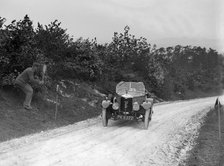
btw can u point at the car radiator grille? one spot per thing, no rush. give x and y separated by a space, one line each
126 104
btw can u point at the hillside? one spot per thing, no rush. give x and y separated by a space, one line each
81 103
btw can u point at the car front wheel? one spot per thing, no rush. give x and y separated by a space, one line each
104 117
150 115
146 119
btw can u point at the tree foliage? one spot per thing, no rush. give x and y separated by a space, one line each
165 71
17 47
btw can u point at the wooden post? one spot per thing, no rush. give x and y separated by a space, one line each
56 107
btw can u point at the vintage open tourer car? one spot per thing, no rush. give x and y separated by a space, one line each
131 102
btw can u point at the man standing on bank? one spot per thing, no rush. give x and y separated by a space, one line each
25 81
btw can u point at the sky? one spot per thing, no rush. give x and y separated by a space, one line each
162 22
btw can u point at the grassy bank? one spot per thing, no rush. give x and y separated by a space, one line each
209 150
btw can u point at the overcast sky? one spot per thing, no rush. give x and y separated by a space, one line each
162 22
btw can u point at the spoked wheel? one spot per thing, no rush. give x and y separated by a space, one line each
146 119
104 117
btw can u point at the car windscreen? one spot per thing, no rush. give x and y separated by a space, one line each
130 88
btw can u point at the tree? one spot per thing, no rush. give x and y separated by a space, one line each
18 47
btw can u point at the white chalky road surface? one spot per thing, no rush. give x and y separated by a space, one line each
170 135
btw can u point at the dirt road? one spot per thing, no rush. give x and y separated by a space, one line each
170 135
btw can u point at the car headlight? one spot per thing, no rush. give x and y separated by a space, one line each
136 106
146 105
115 106
105 103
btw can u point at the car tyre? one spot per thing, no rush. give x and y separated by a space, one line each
104 117
150 115
146 119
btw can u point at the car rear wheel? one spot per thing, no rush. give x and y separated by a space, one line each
104 117
146 119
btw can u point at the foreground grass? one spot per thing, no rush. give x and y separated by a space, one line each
17 122
209 150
